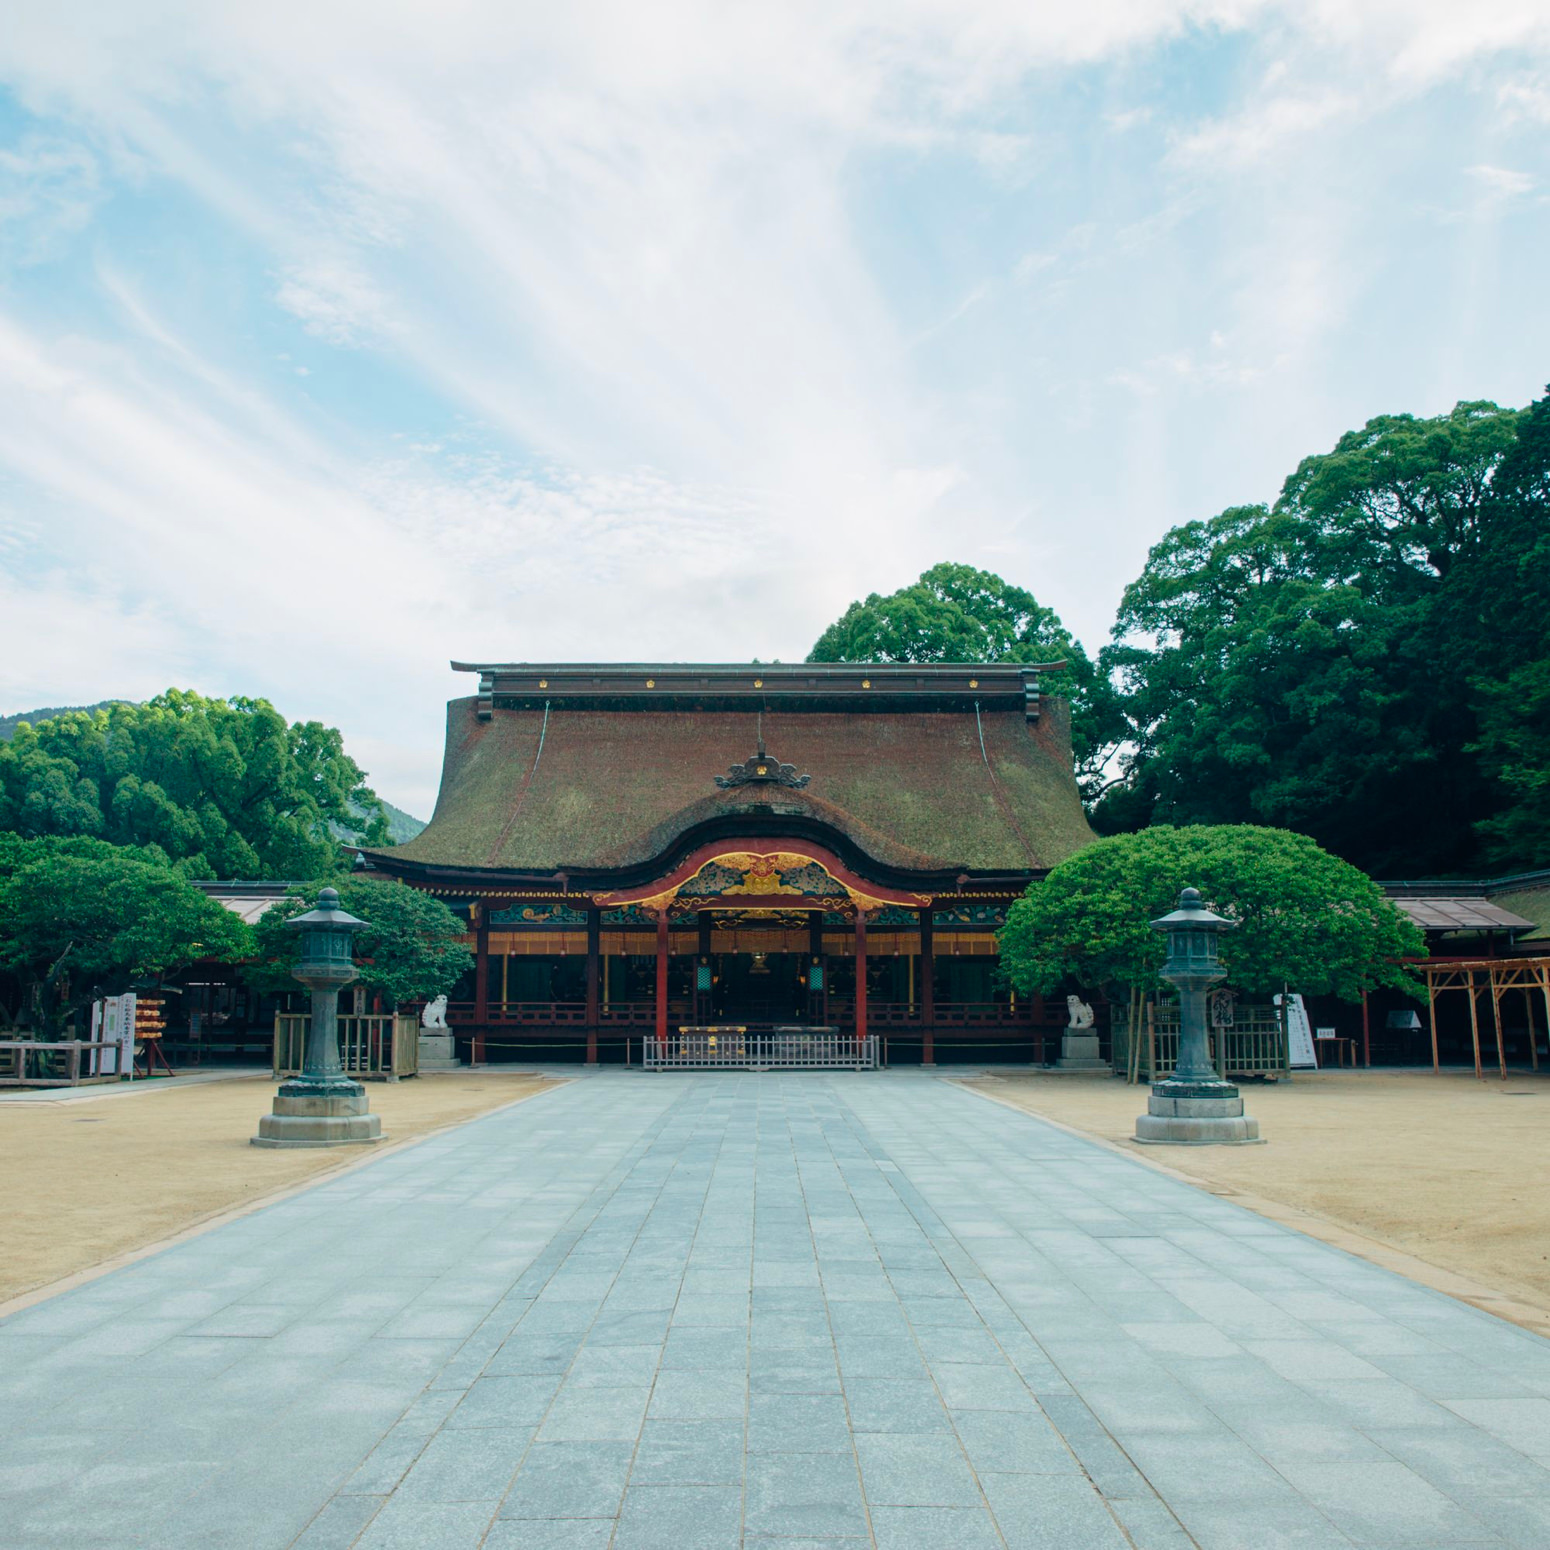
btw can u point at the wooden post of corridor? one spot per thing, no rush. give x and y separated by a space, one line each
662 979
481 981
594 956
927 990
860 976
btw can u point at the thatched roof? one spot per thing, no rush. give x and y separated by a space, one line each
600 783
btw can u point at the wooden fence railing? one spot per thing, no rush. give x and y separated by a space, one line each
842 1009
48 1063
1255 1045
372 1047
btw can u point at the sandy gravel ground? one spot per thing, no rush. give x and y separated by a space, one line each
1443 1167
94 1178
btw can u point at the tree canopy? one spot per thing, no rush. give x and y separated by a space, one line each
225 788
955 613
1500 604
1302 665
1305 918
92 916
411 949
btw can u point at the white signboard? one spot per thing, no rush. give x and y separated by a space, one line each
96 1064
1299 1035
113 1022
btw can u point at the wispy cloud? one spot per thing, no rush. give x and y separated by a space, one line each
1247 136
49 188
1501 183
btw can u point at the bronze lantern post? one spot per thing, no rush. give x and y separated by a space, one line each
322 1105
1194 1106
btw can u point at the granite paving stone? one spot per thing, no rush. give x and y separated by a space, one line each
689 1453
569 1480
900 1470
679 1517
798 1423
741 1310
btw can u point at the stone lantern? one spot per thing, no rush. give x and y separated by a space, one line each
1194 1106
322 1106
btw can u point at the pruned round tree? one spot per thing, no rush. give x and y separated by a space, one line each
411 949
1305 919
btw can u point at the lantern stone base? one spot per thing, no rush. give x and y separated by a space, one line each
1079 1052
333 1117
1196 1114
438 1052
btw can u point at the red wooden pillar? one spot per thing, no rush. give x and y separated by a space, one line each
481 980
594 963
860 975
662 978
1366 1034
928 987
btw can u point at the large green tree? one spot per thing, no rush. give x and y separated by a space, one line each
1300 665
1500 615
411 949
78 916
1305 919
226 788
955 613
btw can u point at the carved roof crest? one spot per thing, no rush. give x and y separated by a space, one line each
761 770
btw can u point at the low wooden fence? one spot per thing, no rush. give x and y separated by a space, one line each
379 1047
49 1063
1255 1045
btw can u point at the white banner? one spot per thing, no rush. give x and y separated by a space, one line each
126 1033
113 1022
1299 1035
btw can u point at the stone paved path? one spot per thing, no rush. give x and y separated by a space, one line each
778 1311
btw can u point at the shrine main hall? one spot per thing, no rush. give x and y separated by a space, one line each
637 848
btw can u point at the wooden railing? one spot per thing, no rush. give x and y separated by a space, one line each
946 1014
842 1010
558 1014
23 1062
374 1047
535 1014
629 1014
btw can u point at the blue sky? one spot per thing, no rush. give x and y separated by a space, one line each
402 332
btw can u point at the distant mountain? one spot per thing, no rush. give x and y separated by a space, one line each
401 825
9 724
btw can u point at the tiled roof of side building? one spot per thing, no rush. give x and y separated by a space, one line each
615 786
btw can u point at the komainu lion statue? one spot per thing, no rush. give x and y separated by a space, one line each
435 1015
1080 1012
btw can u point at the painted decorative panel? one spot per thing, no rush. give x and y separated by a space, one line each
761 875
551 917
971 915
